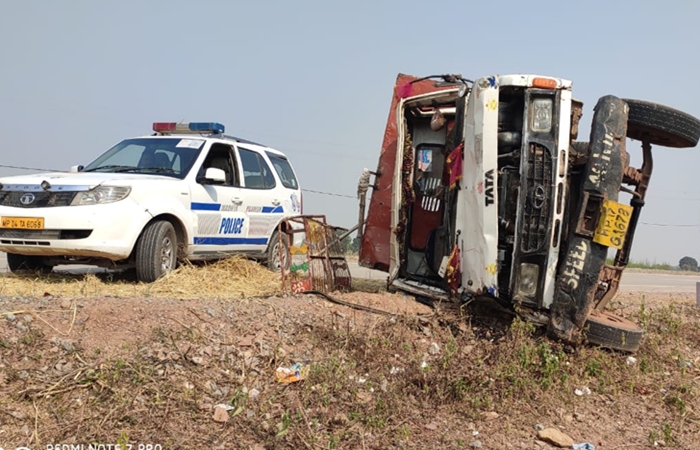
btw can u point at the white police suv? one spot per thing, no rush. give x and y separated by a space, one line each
185 192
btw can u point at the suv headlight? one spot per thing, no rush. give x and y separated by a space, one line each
101 195
542 115
528 279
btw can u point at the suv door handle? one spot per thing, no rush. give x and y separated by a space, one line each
275 202
236 200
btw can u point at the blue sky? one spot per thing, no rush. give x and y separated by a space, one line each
315 78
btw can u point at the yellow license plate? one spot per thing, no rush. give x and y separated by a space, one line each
22 223
613 224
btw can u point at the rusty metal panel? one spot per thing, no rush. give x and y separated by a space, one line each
374 245
316 258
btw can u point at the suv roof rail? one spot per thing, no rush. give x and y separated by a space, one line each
243 141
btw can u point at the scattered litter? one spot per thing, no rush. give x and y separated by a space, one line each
631 360
583 446
583 391
539 427
434 348
423 365
224 406
362 380
395 370
475 433
297 372
253 393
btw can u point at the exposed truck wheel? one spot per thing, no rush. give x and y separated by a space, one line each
18 263
276 258
661 125
156 251
610 331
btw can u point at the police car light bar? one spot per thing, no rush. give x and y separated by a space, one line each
188 127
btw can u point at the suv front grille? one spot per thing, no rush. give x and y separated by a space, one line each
41 199
535 219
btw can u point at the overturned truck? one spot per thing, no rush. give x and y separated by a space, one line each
483 190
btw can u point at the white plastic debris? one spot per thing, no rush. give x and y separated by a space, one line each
434 348
631 360
582 391
224 406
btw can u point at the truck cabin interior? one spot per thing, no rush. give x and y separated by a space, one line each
432 132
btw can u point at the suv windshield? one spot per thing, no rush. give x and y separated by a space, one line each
164 156
284 170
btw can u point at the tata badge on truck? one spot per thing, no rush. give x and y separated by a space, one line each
483 190
188 191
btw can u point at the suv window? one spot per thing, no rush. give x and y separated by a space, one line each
164 156
256 172
284 170
221 157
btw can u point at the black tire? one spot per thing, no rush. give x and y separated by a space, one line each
661 125
274 259
18 263
610 331
156 251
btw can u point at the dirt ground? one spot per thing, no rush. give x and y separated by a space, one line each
147 371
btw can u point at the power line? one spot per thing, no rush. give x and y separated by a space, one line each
51 170
689 225
330 193
29 168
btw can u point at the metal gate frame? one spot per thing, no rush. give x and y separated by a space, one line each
316 261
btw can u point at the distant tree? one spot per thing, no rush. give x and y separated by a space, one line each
688 263
355 247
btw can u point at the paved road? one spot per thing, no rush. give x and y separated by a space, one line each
631 281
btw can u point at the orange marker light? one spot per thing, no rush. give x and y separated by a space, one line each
544 83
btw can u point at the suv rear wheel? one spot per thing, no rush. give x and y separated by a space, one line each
156 251
277 258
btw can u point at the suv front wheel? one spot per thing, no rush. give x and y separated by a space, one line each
156 251
17 263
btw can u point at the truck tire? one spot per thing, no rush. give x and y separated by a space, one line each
610 331
661 125
275 258
583 259
18 263
156 251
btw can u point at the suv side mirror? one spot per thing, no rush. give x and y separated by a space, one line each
214 175
78 168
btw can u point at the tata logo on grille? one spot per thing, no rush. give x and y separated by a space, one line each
27 199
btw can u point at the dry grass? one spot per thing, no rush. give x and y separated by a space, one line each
236 277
